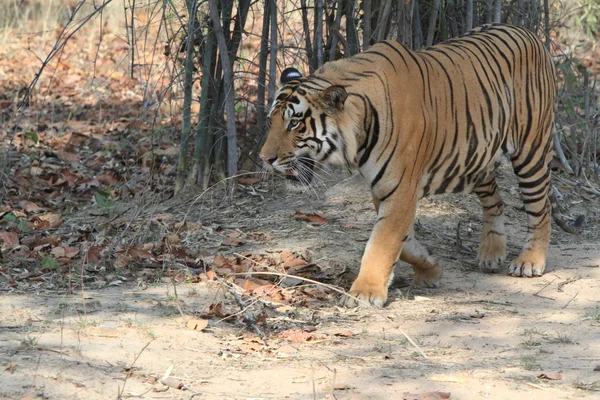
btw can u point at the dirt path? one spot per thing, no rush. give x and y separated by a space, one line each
484 336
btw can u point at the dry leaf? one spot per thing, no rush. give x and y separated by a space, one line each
310 217
553 376
31 207
248 181
58 252
107 179
172 239
10 240
197 324
232 241
343 333
121 260
259 236
295 335
140 254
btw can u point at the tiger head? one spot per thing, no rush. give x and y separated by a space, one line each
304 126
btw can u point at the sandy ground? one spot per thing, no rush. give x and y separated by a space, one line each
481 336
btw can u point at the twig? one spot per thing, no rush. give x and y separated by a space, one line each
563 283
335 289
250 319
500 303
111 249
122 389
568 302
544 287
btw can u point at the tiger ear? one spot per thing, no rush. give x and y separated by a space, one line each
289 74
334 97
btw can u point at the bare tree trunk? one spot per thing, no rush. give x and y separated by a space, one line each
547 24
335 30
318 33
418 30
307 41
201 151
469 16
186 124
382 20
273 53
432 22
453 17
498 10
262 69
366 24
351 33
227 89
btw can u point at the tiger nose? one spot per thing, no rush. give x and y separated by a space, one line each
269 159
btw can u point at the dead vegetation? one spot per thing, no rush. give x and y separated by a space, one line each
110 287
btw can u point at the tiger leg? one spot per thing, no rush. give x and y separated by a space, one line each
387 239
427 271
492 248
533 175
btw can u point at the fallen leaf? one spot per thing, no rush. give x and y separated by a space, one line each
296 335
197 324
251 345
121 260
426 396
58 252
343 333
107 179
553 376
172 382
232 241
10 239
259 236
248 181
310 217
31 207
140 254
172 239
295 262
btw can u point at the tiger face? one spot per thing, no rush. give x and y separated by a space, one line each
304 126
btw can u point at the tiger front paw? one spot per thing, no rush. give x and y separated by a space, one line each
528 264
364 294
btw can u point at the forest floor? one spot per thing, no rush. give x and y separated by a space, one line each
111 288
478 335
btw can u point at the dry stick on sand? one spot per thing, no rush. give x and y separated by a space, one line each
331 287
250 319
122 389
537 294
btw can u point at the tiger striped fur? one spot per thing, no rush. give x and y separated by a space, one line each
422 123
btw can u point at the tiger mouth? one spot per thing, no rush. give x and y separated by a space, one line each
301 171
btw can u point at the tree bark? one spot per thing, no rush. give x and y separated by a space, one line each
432 22
186 124
469 16
366 24
307 40
318 33
273 53
351 33
227 89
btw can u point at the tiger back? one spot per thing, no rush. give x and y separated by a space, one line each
422 123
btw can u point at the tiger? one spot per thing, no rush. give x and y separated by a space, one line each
422 123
